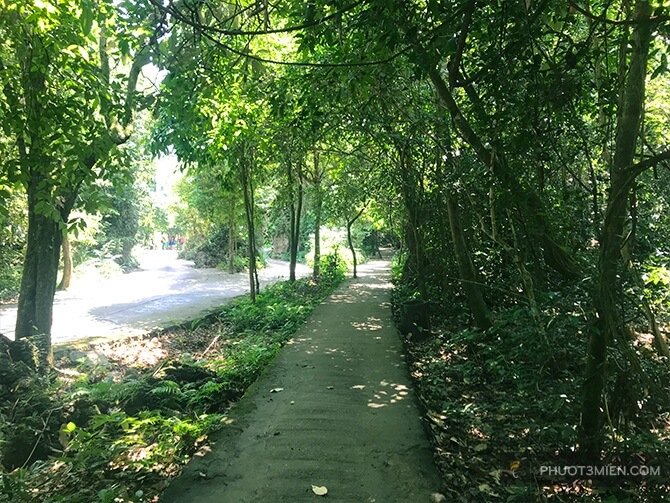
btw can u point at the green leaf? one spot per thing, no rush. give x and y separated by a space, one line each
86 18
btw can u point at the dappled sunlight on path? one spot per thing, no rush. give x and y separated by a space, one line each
335 409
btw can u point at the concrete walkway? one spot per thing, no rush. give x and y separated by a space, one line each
335 409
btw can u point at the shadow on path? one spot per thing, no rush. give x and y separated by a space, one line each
346 417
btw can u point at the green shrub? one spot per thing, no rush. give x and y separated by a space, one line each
333 268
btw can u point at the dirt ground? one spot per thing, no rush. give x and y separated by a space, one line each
335 410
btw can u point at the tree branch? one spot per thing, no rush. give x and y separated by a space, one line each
650 162
617 22
351 222
204 31
171 9
455 62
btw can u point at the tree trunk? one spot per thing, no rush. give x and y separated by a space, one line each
660 341
252 196
38 281
232 237
350 239
251 231
295 215
127 253
608 287
67 263
296 237
318 206
468 273
40 267
317 233
292 258
351 247
659 338
627 255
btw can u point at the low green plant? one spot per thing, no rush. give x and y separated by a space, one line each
333 267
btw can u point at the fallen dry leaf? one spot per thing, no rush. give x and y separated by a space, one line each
319 490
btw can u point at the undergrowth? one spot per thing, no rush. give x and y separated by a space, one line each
119 429
503 403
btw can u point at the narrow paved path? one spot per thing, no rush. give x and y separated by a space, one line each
164 291
342 415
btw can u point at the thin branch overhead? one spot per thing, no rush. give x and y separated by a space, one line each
179 14
212 34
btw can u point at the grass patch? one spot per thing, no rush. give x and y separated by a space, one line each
121 423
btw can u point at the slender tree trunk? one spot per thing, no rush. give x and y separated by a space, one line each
526 277
659 338
317 232
492 213
627 255
468 273
292 211
296 199
251 231
252 195
232 237
67 263
352 249
295 244
351 241
610 326
318 207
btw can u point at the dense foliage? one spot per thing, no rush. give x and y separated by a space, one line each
516 153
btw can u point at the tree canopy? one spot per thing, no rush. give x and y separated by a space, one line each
514 154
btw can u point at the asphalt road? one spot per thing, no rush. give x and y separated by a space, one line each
164 291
